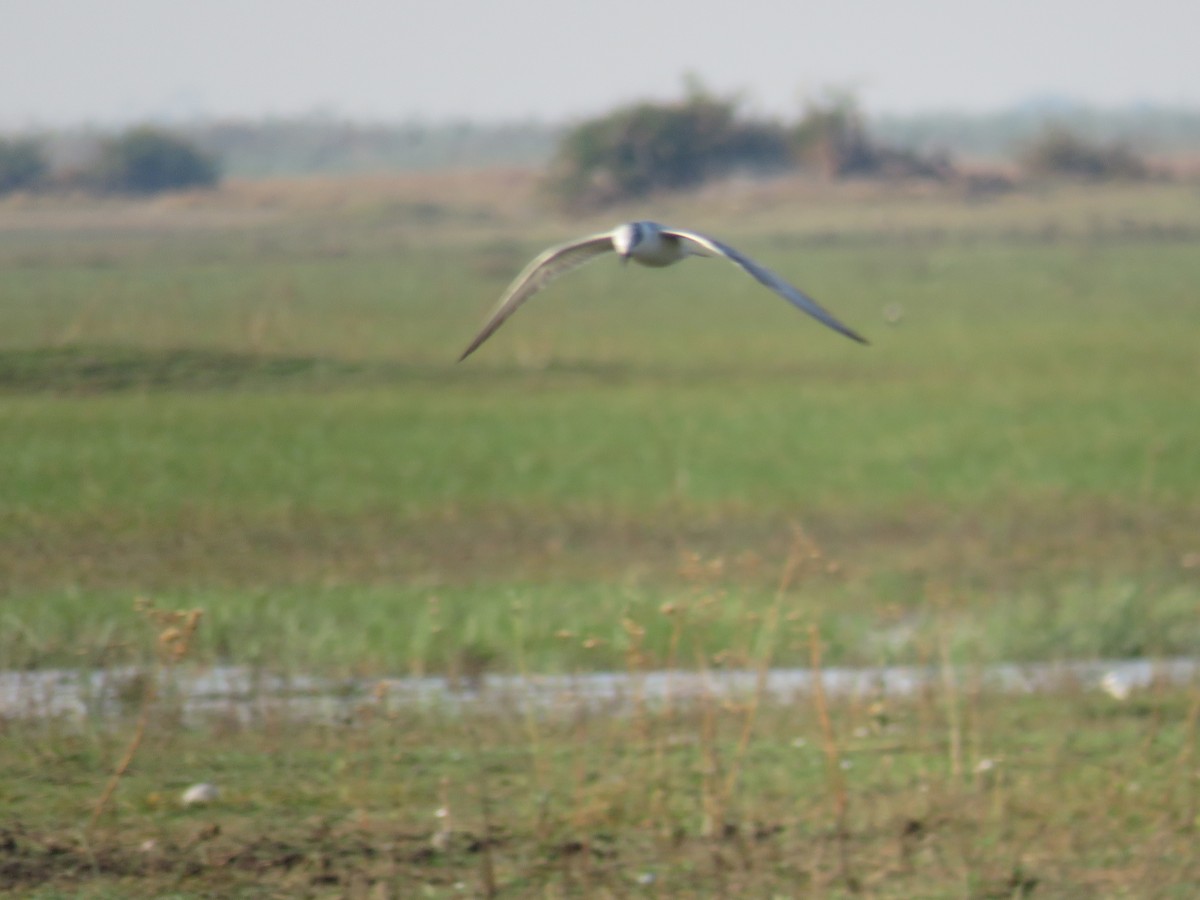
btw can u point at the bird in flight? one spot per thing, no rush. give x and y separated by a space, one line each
650 244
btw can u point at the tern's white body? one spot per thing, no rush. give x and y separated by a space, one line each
650 244
643 242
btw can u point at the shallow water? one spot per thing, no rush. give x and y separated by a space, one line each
247 695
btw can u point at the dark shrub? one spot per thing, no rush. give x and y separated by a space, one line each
1058 151
22 165
147 160
651 146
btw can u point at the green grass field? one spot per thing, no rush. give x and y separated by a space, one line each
248 403
263 417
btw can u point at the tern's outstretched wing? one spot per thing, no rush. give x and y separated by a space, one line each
705 246
547 266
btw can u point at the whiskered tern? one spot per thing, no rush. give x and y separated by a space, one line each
650 244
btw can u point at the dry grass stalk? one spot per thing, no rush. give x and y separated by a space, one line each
176 628
833 757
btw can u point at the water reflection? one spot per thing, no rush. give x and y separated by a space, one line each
247 695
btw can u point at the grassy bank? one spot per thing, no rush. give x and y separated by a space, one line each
955 792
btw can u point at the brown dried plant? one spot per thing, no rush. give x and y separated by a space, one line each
175 630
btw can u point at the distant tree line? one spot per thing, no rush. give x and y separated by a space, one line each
665 146
1003 134
142 160
627 152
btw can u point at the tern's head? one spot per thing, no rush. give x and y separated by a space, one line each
626 237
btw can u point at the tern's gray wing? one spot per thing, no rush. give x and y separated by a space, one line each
545 267
706 246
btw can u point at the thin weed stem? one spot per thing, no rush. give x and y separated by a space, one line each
801 547
175 632
1187 756
953 714
833 759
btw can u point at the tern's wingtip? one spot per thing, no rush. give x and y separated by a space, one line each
472 347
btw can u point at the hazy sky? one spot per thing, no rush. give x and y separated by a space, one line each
115 61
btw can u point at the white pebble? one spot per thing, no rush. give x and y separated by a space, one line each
1115 686
200 794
